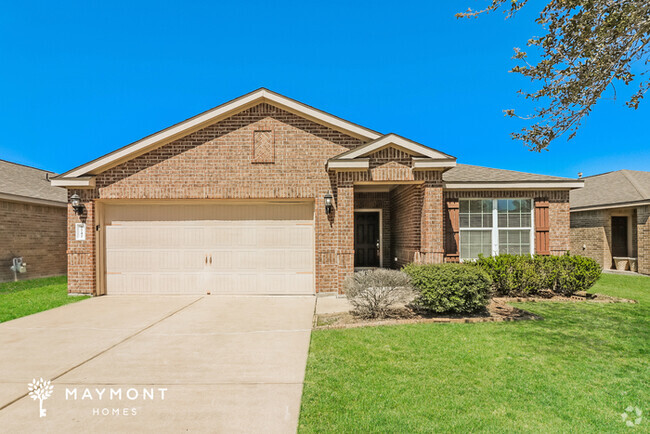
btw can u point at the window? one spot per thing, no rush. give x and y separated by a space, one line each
493 226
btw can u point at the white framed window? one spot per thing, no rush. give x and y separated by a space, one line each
494 226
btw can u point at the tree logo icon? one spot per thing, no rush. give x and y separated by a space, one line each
40 390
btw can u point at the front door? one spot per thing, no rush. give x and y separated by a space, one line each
619 236
366 239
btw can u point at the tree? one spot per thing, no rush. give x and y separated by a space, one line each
588 47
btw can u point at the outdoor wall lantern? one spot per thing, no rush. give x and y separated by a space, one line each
328 203
75 201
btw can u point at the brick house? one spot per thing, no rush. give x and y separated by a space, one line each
264 194
32 222
610 218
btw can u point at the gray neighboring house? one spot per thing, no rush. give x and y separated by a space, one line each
33 219
610 220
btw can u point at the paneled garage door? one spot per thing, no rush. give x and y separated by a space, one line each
244 248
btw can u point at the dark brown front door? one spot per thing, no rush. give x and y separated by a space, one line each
366 239
619 236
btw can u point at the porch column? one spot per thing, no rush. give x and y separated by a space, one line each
345 227
431 224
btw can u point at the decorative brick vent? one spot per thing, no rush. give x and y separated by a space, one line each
263 146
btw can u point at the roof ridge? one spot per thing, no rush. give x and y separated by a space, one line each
638 187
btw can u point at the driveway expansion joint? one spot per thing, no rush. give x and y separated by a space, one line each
107 349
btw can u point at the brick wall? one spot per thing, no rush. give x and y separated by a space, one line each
81 254
406 212
590 236
559 233
216 163
431 224
37 233
643 233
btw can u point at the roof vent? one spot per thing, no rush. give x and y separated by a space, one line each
579 175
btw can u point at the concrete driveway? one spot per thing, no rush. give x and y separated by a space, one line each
203 364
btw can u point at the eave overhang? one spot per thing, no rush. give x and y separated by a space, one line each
515 185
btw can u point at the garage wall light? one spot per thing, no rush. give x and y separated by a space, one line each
77 206
328 203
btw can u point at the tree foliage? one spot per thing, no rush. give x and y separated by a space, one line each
588 47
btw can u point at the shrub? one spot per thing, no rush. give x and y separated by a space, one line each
450 288
513 274
574 273
373 293
527 275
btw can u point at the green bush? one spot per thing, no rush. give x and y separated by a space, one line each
515 275
574 273
450 288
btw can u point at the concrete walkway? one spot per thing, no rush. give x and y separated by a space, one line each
202 364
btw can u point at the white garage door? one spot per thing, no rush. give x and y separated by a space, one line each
251 248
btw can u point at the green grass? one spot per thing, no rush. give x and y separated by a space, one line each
575 371
30 296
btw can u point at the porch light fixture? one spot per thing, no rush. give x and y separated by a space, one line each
77 206
328 203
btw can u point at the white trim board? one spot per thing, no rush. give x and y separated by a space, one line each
517 185
398 142
618 205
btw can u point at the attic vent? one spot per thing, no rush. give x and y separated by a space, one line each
263 146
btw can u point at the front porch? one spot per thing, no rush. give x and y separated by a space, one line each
387 225
388 205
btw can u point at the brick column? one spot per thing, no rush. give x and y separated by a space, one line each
643 238
345 228
431 223
560 223
81 254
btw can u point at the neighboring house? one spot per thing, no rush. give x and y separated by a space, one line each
33 217
610 218
237 200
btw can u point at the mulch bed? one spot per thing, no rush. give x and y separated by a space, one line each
497 311
578 296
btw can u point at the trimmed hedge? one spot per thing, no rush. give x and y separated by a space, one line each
450 288
528 275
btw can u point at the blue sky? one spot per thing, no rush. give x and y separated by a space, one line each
80 79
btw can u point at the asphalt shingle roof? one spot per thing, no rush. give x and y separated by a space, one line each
612 188
19 180
468 173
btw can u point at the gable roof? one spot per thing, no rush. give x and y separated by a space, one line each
212 116
612 189
28 184
393 139
423 156
465 176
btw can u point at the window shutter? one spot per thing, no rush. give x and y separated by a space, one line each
542 224
452 223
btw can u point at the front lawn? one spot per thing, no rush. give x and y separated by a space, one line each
30 296
575 371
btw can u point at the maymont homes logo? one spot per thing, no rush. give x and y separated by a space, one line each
42 389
